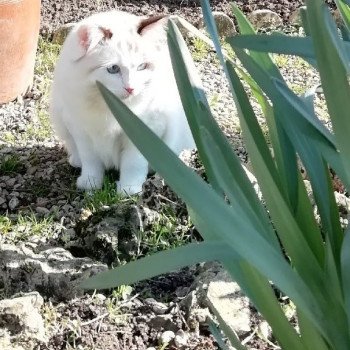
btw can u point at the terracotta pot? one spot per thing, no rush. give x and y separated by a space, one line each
19 31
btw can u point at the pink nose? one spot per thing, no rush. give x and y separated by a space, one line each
129 90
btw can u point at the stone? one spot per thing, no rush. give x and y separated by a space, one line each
166 337
156 306
61 33
265 19
295 18
13 203
42 211
223 22
189 302
20 316
337 17
115 234
52 271
342 201
181 339
2 200
160 322
224 297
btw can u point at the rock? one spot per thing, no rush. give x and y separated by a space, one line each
265 19
6 343
337 17
108 237
166 337
264 330
295 18
21 317
156 306
224 296
61 33
14 201
54 272
342 201
181 339
42 211
223 22
163 322
189 302
2 200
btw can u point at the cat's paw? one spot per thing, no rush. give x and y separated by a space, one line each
89 183
129 190
74 161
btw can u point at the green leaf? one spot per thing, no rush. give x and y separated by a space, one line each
158 263
191 93
212 30
275 202
237 234
280 44
310 337
344 10
304 20
198 114
258 289
218 337
329 53
263 59
345 268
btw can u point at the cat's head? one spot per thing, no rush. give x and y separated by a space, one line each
121 52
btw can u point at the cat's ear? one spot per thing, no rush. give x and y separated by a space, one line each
88 37
154 26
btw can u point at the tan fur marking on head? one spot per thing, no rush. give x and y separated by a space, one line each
148 21
107 34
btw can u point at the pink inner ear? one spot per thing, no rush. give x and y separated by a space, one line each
84 38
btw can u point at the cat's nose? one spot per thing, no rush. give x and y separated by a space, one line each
129 90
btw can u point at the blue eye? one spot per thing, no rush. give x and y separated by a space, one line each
142 66
113 69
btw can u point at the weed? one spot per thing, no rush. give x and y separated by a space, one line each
8 138
199 49
214 99
46 57
105 196
165 233
25 226
5 224
10 164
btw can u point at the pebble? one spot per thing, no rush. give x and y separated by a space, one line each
181 339
156 306
166 337
14 201
42 210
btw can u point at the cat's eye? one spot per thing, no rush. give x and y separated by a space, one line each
113 69
142 66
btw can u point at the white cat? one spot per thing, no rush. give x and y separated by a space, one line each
129 55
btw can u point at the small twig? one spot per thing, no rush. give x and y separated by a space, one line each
167 199
95 319
128 300
182 317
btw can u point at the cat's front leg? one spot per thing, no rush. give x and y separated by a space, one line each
92 169
133 170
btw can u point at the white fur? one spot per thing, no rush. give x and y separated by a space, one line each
92 137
